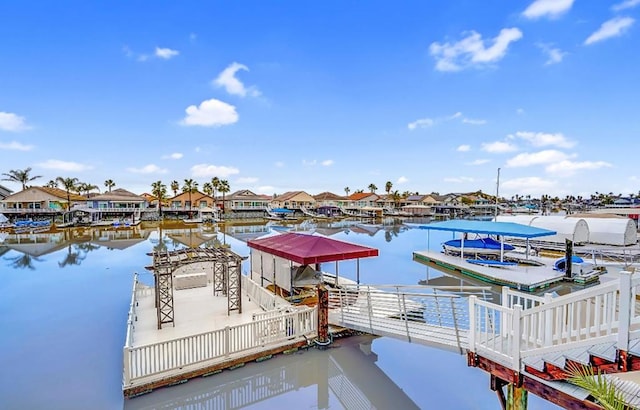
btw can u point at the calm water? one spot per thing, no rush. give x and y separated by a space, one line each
64 305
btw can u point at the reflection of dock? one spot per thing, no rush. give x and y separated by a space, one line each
348 373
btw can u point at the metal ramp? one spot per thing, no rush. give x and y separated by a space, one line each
430 316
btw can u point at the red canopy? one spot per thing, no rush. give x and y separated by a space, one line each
309 249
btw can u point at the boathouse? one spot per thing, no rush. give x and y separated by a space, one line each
618 231
574 229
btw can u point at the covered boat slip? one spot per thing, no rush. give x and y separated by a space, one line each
531 276
289 260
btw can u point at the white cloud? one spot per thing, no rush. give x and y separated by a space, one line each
210 113
464 148
529 185
471 50
535 158
498 147
175 155
193 37
519 111
209 171
547 8
454 116
402 180
279 164
265 190
479 162
474 122
542 139
422 123
568 168
327 162
615 27
165 53
64 165
12 122
627 4
15 145
148 169
554 54
246 180
309 163
458 180
227 79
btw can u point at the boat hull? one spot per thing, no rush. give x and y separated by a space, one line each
483 246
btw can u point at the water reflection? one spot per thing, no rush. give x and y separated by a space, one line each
346 374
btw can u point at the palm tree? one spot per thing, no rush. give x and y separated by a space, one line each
207 188
109 184
346 191
396 197
87 188
388 186
215 184
224 188
372 187
52 184
69 184
190 186
603 390
159 190
175 186
20 176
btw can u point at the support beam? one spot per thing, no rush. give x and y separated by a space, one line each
517 397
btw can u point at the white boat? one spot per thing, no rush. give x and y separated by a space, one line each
480 246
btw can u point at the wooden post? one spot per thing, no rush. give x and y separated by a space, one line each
323 315
517 397
567 258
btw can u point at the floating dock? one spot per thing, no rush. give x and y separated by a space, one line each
527 278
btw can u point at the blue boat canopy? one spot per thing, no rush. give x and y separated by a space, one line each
487 228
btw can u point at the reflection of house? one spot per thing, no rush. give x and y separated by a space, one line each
245 200
119 238
36 244
191 238
117 199
294 200
4 192
39 199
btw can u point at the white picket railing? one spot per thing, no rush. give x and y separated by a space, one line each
128 342
157 359
508 333
265 299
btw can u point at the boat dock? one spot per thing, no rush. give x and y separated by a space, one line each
523 277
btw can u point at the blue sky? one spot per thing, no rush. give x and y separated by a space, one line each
317 96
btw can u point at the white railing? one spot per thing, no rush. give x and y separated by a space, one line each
131 319
156 360
511 297
605 313
265 299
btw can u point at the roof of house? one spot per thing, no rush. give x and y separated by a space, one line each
361 195
328 196
288 195
195 196
118 194
308 249
415 198
60 193
247 195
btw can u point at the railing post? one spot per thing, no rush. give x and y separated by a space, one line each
625 313
472 323
127 366
548 321
227 341
505 297
516 325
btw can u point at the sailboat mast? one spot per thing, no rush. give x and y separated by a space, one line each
497 192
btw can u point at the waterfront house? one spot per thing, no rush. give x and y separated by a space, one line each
37 199
4 192
117 199
245 201
193 200
330 199
360 200
294 200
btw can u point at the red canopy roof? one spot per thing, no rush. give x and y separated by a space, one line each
309 249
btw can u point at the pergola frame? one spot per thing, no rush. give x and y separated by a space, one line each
227 267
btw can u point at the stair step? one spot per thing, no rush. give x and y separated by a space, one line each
557 359
607 351
580 355
536 362
563 386
634 347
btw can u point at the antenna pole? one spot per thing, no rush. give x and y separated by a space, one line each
497 192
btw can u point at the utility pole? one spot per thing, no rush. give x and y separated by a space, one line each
497 192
